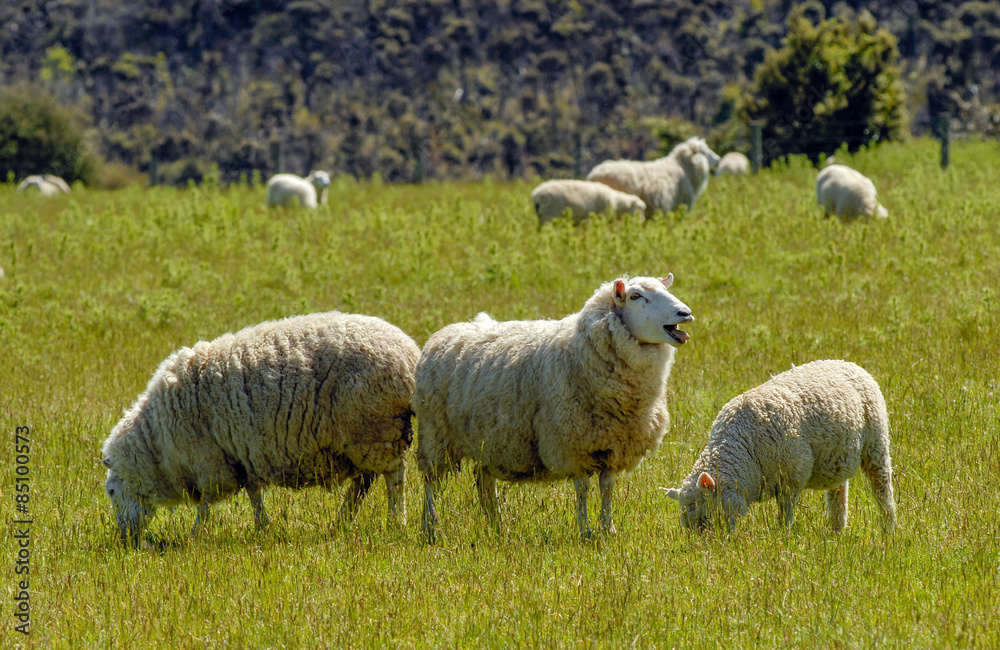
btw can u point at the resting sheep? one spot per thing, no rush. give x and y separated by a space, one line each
285 189
664 184
734 164
810 427
847 193
546 400
44 184
551 198
308 400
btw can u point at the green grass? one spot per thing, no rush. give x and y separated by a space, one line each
100 287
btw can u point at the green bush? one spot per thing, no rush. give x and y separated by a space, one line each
38 136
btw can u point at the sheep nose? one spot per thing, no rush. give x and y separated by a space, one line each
686 315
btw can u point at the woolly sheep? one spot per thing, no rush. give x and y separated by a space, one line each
308 400
545 400
847 193
284 189
44 184
664 184
810 427
733 163
551 198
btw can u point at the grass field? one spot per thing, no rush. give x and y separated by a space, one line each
99 287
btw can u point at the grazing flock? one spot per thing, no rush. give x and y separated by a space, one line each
328 398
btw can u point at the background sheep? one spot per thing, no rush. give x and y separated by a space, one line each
308 400
547 400
733 163
44 184
847 193
664 184
810 427
284 189
551 198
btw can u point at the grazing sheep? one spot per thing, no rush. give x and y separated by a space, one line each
733 163
284 189
547 400
810 427
847 193
45 184
551 198
664 184
308 400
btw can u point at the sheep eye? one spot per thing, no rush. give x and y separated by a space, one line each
111 492
635 296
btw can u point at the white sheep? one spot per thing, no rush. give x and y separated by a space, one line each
547 400
847 193
551 198
285 189
664 184
44 184
734 164
308 400
810 427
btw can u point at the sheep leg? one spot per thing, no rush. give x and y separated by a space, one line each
201 519
356 491
786 506
396 498
836 506
486 487
430 517
256 494
582 486
607 484
880 478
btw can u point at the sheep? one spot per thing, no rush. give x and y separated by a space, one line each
284 189
733 163
546 400
847 193
44 184
664 184
810 427
307 400
551 198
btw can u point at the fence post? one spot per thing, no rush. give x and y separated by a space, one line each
276 156
152 167
944 129
756 147
577 155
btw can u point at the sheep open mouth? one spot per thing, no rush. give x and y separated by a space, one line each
678 335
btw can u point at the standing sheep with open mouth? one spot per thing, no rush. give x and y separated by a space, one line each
547 400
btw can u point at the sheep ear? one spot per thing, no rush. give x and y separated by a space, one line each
706 482
673 493
619 290
667 281
106 462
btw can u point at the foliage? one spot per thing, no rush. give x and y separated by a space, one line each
38 136
99 287
833 82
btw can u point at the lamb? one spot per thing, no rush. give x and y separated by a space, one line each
733 163
284 189
44 184
307 400
545 400
809 427
847 193
664 184
551 198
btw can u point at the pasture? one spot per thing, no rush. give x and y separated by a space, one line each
99 287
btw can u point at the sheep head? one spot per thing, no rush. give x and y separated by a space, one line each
650 312
131 511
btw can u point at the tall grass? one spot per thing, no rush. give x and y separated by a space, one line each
99 287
